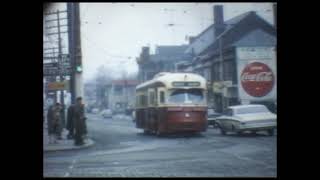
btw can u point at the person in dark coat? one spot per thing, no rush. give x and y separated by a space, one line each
50 123
70 122
54 118
61 123
79 122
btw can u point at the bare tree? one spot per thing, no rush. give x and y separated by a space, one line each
102 79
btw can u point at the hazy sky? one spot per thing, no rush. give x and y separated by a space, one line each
112 34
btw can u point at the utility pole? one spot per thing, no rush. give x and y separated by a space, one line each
70 12
75 50
221 69
60 58
126 89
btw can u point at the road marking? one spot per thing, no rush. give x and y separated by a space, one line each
246 158
67 174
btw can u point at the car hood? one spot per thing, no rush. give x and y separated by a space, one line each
255 117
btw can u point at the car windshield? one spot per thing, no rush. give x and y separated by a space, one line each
186 96
247 110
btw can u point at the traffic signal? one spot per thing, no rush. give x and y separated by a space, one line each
78 68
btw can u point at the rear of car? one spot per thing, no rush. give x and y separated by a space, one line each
95 111
251 118
263 124
212 115
107 113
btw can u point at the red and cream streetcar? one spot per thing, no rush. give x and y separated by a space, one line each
172 102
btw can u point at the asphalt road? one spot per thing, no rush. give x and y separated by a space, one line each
121 150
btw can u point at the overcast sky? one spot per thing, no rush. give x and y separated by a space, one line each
112 34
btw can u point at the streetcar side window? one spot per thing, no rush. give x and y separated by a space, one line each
161 97
151 98
137 101
144 100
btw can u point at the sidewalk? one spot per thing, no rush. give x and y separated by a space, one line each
64 144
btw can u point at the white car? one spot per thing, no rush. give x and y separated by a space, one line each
95 111
251 118
107 113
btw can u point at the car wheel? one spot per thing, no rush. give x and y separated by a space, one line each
271 132
158 133
222 131
240 133
254 132
233 128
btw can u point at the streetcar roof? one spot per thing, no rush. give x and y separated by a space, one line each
167 79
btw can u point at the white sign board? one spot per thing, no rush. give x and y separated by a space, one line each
256 68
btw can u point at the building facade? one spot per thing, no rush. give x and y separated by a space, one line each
164 60
238 59
120 95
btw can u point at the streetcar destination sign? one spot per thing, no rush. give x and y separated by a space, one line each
186 84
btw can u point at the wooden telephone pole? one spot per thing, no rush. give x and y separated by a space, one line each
75 50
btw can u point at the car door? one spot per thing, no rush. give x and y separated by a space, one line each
224 120
228 120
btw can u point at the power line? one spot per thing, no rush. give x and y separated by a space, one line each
106 52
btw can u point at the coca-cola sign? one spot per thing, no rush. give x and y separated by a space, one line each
257 79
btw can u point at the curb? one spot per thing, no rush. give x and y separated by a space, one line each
67 145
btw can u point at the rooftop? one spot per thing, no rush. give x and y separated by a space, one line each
171 50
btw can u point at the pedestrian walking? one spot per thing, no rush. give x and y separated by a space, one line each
79 122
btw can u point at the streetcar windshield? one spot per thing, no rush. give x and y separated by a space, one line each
186 96
177 96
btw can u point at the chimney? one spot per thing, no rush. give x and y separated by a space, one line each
145 50
219 25
191 39
145 53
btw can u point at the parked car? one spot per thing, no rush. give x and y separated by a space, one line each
95 111
119 111
107 113
212 115
88 109
243 118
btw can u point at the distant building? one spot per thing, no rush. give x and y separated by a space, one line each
120 94
225 49
164 60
